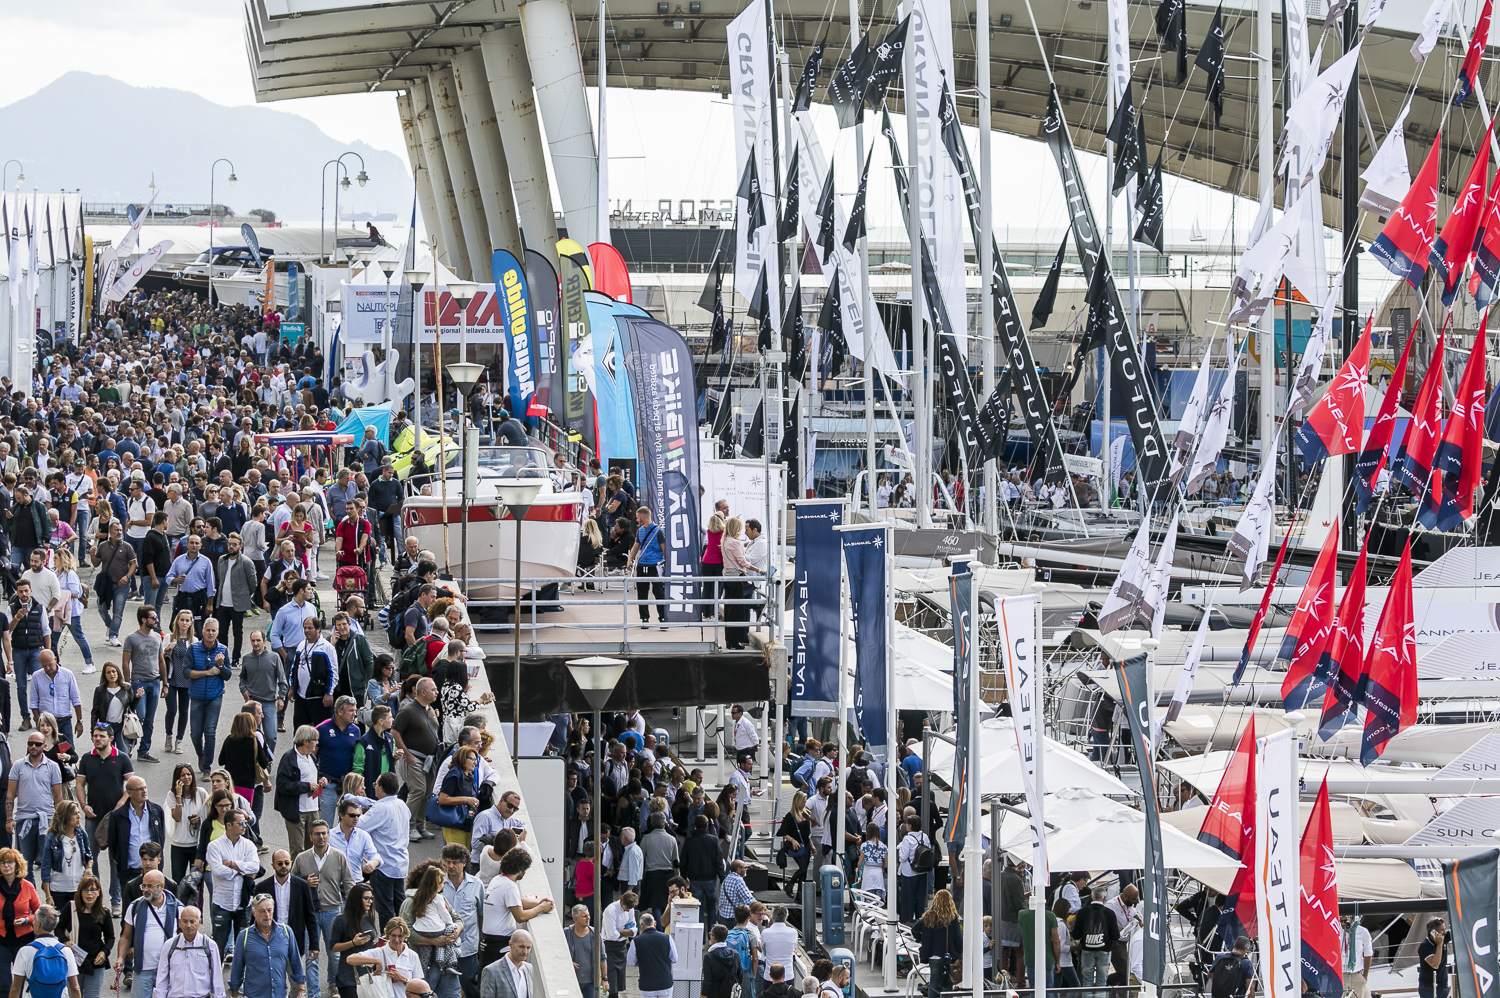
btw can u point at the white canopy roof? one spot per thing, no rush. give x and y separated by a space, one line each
1114 838
1205 771
1063 767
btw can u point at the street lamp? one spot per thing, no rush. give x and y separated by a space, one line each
387 267
20 174
465 376
516 492
596 678
232 181
462 292
344 183
417 279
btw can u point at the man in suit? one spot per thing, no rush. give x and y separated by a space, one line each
132 825
510 976
296 908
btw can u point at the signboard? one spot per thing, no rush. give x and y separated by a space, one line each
542 788
742 484
366 309
292 332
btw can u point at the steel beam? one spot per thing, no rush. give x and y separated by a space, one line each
450 230
512 93
450 120
557 71
490 166
418 156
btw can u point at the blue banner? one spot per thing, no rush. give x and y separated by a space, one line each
293 293
612 400
520 329
815 610
960 592
864 553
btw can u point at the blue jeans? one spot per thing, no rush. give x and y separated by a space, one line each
1031 976
27 661
101 854
1093 968
112 610
144 984
90 984
145 708
203 717
468 974
328 802
20 557
75 627
30 833
268 726
325 944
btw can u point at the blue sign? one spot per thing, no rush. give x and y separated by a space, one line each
864 553
815 611
292 332
293 293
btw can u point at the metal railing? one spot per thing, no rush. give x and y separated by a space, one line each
703 592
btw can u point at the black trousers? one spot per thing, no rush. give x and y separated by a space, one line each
734 589
644 588
228 617
196 602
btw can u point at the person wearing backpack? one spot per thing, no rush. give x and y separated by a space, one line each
1232 975
190 965
46 964
914 862
1097 930
744 942
721 967
412 616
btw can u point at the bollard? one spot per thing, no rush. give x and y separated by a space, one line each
831 880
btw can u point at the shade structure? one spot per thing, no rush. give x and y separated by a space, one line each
1000 763
1116 840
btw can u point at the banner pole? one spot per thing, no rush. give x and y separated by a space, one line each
973 841
892 739
1039 876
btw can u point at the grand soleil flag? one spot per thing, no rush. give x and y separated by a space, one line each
1391 693
1230 828
1336 421
1310 628
1404 244
1322 953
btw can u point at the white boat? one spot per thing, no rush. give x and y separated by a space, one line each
549 534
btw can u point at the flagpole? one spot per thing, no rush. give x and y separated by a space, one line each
892 739
973 846
921 426
1039 876
1106 373
984 250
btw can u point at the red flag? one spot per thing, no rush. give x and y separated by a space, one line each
1372 457
1391 692
1468 411
1450 254
1265 603
1311 627
1230 828
611 276
1486 283
1338 418
1468 73
1406 240
1422 434
1322 952
1346 656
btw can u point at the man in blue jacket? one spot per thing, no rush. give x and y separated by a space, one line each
208 669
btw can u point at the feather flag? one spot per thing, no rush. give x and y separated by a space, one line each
1215 430
1421 442
1041 311
1391 690
1260 614
1310 628
1388 177
1251 540
1311 366
826 224
1450 253
1336 421
1460 454
1192 411
1344 668
717 337
809 79
886 61
1322 939
1126 602
1210 59
1432 26
1468 73
12 256
1314 116
1404 244
1230 828
1372 457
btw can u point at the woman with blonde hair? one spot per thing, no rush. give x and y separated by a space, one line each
590 550
736 567
796 842
399 960
941 939
67 616
713 564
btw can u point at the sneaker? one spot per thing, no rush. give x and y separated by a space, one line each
146 757
89 668
129 982
114 909
177 747
25 724
428 833
114 642
415 836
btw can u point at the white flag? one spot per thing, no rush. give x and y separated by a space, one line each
1432 24
1306 267
1215 430
1020 646
13 251
1377 7
750 90
1188 674
1278 865
33 277
138 270
1388 177
1122 605
1262 264
1311 367
1315 114
1192 413
1251 541
132 235
1155 602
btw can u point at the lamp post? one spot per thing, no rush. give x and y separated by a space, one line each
596 678
387 267
417 279
465 376
516 494
232 181
462 292
362 177
5 171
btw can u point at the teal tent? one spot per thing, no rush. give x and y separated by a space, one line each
378 416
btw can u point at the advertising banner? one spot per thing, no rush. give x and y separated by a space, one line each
541 284
1472 902
815 610
960 594
1277 865
1021 646
576 340
864 553
1154 911
515 311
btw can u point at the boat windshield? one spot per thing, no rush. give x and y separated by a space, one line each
502 459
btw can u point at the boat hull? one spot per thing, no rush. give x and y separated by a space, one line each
549 540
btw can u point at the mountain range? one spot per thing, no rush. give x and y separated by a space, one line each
109 140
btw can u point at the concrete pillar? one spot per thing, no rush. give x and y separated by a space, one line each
512 97
450 231
425 199
450 122
557 69
489 153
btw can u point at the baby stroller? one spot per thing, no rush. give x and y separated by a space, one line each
351 580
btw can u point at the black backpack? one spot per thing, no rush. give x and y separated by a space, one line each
922 859
1227 978
395 627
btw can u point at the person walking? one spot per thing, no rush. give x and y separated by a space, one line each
72 600
232 863
149 922
353 931
30 635
314 673
338 737
54 691
941 940
1097 931
395 956
40 963
388 823
115 561
96 936
263 680
189 965
647 554
416 737
193 575
296 907
208 668
465 896
583 947
267 963
65 860
330 877
653 952
178 652
299 787
143 666
237 585
33 793
511 977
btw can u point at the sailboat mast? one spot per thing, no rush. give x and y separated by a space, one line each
983 251
1350 203
867 300
772 442
1265 326
922 419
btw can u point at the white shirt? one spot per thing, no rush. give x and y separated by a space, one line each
502 895
1354 956
518 978
307 772
21 965
817 804
757 552
407 962
617 920
157 927
227 880
745 735
778 943
193 972
282 894
45 588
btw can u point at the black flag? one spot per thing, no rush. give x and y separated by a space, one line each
888 57
1171 28
846 88
1042 310
750 191
788 227
855 230
717 338
826 234
758 297
809 80
755 437
994 417
787 453
1148 201
1211 60
1096 328
763 339
1470 884
708 298
1124 133
793 334
1142 171
831 321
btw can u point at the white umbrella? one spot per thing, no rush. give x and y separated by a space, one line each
1064 809
1063 767
1116 840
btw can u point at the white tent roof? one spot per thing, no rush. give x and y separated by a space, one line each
1205 771
1063 767
1348 826
1114 839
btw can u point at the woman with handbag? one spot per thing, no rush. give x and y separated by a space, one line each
796 833
458 798
353 930
398 960
112 702
189 805
430 917
68 614
95 937
941 938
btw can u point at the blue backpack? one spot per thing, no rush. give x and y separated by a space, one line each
739 941
49 971
801 774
